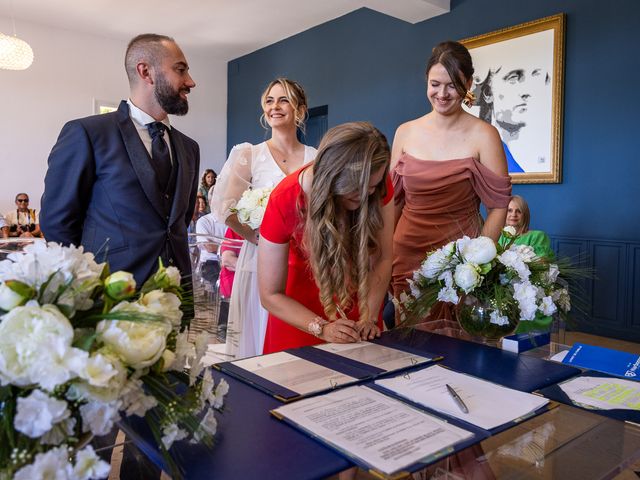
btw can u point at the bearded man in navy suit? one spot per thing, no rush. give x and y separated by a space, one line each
108 190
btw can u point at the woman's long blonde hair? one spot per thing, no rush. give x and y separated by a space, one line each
340 243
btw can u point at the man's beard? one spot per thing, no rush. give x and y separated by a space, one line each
169 99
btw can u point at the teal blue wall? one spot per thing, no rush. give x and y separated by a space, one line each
368 66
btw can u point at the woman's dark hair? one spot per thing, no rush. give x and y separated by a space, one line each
456 60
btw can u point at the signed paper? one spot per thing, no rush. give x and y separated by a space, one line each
603 393
384 433
385 358
294 373
489 405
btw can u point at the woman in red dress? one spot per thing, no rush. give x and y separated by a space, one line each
324 255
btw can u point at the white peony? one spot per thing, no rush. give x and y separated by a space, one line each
496 318
104 377
525 294
99 417
435 263
51 465
88 465
138 343
479 250
35 348
37 413
165 304
467 277
172 434
251 206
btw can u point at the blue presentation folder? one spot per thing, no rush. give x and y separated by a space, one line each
613 362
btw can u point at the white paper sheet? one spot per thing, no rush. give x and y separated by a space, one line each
294 373
489 405
385 358
604 393
383 432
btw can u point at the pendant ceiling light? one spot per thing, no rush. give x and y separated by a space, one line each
15 54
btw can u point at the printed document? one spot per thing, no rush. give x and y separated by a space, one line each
489 405
384 358
603 393
382 432
294 373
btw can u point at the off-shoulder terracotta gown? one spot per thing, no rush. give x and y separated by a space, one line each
441 203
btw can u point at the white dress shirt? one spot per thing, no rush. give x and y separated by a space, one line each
140 120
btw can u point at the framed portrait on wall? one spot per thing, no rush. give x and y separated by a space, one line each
518 84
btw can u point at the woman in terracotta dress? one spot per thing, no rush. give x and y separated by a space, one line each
444 164
324 256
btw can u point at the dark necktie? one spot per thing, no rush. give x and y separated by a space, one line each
160 153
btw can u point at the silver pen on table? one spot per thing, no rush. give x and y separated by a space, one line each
457 398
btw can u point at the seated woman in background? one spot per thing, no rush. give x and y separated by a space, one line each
518 216
324 255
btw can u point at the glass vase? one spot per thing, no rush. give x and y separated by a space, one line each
475 315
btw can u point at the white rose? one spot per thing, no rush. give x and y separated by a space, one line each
99 417
35 348
8 298
120 285
255 218
173 274
37 413
89 465
52 464
138 343
467 277
510 230
165 304
479 250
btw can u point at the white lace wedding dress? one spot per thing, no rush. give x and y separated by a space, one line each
247 166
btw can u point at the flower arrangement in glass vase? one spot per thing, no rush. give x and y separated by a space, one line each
493 287
252 205
79 349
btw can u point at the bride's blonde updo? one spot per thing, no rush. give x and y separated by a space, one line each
295 94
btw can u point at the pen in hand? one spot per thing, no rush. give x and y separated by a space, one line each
457 398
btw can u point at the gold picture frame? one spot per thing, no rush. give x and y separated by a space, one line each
518 83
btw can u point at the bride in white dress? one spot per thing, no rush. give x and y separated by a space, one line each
284 107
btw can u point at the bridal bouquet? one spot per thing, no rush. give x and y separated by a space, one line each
79 349
493 287
252 205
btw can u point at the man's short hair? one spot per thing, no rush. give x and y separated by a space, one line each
147 47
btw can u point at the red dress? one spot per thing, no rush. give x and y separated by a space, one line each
226 275
282 224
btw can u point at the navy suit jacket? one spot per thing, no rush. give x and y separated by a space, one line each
101 192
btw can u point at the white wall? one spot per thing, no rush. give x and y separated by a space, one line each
70 70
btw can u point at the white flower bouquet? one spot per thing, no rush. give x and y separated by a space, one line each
493 287
79 349
252 205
